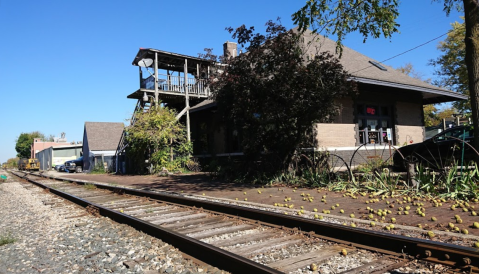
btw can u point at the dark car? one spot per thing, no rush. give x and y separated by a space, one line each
442 150
60 168
74 165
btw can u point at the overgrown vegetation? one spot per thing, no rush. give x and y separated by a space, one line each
374 177
7 239
159 138
98 169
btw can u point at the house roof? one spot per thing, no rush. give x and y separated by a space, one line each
362 70
203 105
170 60
103 135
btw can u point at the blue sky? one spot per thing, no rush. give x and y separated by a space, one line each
66 62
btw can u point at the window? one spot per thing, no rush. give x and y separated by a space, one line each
373 123
456 133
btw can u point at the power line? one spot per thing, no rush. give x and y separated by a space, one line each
411 48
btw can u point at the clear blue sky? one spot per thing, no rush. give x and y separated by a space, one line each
66 62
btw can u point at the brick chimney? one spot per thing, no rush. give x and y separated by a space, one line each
230 49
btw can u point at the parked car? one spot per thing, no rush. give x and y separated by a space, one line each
74 165
442 150
60 168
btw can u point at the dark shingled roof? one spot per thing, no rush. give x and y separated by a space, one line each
103 135
361 70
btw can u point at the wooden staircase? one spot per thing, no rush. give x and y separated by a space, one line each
141 107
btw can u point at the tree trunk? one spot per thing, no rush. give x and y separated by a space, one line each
471 14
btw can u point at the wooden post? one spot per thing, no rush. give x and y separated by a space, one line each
187 99
156 79
197 84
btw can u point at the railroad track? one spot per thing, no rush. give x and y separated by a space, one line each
246 240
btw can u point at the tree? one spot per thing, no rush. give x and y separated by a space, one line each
376 17
274 93
446 113
408 69
430 116
157 136
24 143
12 162
451 65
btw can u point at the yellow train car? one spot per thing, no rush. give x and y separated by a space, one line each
28 164
33 164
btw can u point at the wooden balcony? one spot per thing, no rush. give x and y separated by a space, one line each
172 88
172 71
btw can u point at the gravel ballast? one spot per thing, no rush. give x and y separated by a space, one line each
47 242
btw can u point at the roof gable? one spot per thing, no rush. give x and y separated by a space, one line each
103 135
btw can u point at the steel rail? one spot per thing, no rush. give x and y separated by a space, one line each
209 254
435 252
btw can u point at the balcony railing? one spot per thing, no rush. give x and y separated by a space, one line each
175 84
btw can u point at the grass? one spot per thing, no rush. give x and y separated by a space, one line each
7 239
89 186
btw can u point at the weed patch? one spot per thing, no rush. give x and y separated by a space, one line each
98 169
7 239
89 186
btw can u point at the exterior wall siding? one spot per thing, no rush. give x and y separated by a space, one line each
45 158
409 134
53 156
335 135
409 123
346 111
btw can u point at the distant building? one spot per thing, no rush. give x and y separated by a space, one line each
100 141
58 155
39 145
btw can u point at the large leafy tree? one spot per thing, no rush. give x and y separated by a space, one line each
451 65
430 116
272 94
157 136
24 143
378 17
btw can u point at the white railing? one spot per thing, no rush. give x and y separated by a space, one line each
175 84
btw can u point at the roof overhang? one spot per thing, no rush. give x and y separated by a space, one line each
170 61
429 95
206 104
